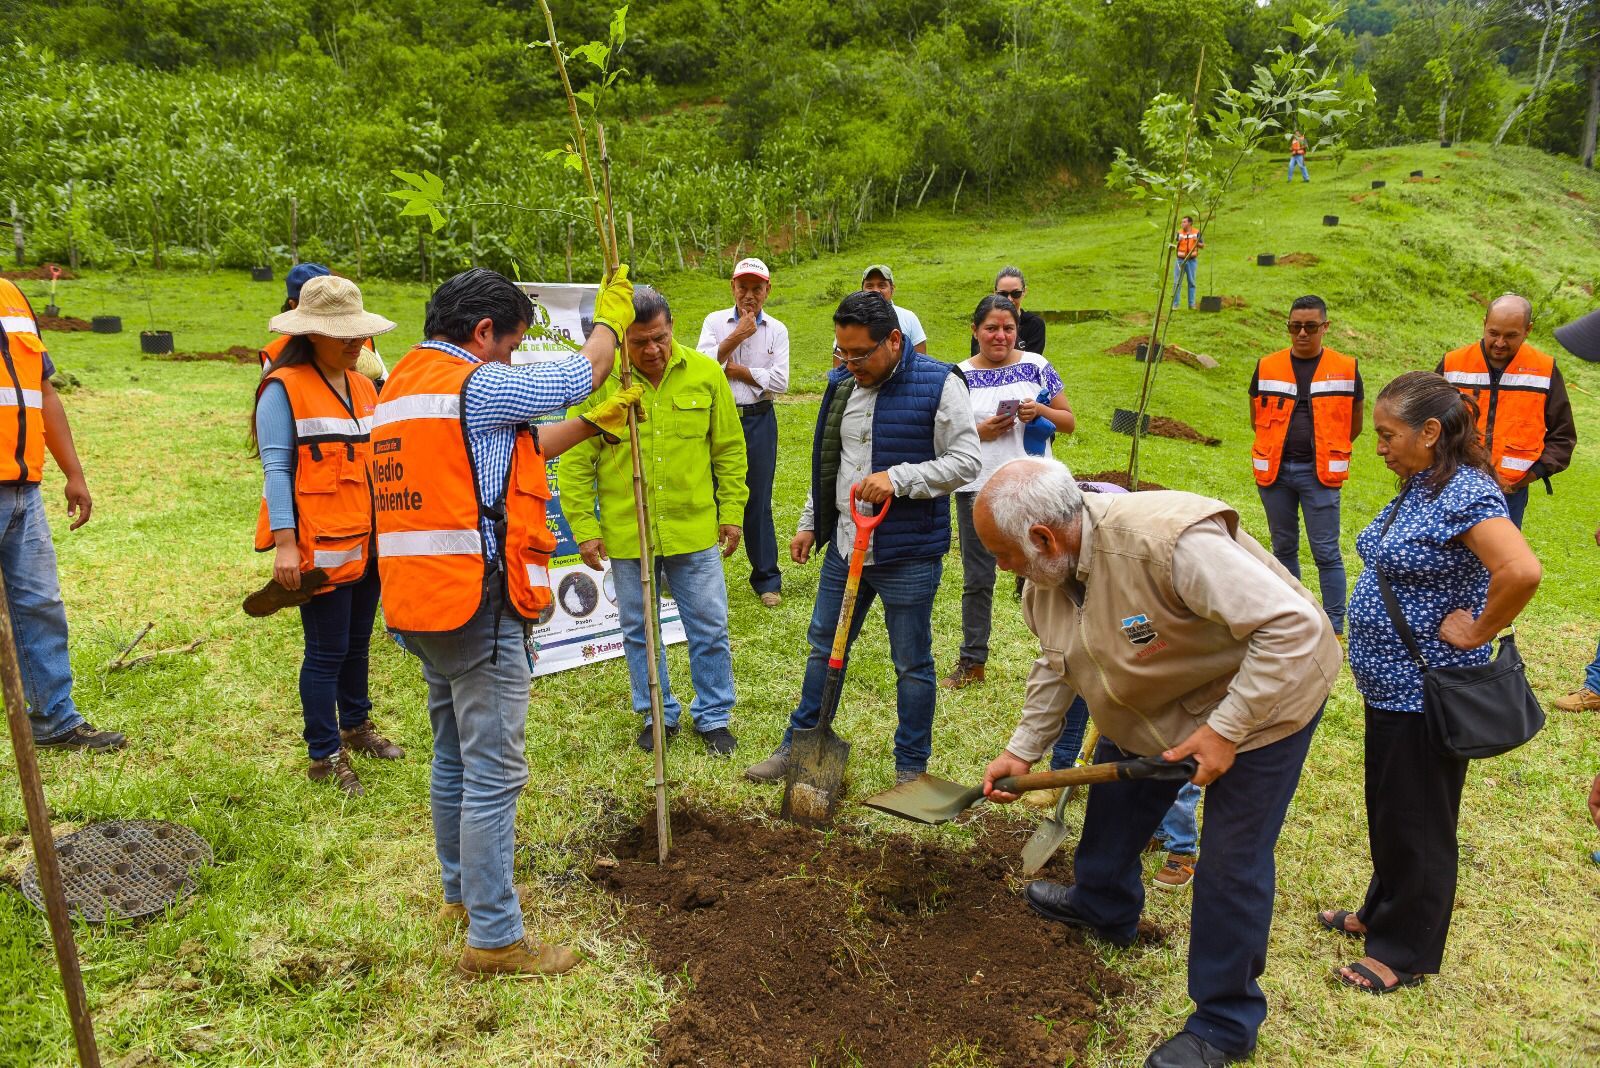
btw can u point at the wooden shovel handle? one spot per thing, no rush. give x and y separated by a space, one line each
1138 768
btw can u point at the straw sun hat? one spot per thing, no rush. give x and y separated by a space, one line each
330 306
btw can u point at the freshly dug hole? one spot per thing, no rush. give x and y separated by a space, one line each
804 949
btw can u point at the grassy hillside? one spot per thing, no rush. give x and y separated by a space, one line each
313 940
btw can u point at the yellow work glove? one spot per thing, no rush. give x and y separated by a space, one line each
610 416
614 306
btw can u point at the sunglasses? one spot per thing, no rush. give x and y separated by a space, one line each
1012 295
1306 328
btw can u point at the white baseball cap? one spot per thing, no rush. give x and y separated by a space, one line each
752 266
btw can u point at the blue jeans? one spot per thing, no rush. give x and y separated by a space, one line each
906 588
1297 491
1517 504
338 629
1179 832
1234 882
1591 678
38 617
1298 163
761 465
1182 269
1065 752
478 678
697 583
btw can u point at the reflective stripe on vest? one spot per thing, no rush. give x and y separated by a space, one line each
1331 391
21 389
1510 411
431 554
332 479
1188 241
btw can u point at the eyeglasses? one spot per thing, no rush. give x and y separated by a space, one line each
1013 295
850 361
1306 328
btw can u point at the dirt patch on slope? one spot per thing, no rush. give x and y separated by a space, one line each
1575 195
66 324
1298 259
1117 478
1162 427
799 949
36 274
1417 179
233 354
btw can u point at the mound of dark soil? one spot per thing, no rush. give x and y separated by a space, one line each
1117 478
1128 347
67 324
1298 259
36 274
1234 302
799 949
1418 179
1162 427
233 354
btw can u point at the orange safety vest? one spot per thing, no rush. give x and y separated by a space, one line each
21 389
1297 147
1333 404
332 484
274 349
1188 243
430 545
1511 416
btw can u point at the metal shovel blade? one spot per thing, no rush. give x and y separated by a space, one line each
1048 838
926 799
813 784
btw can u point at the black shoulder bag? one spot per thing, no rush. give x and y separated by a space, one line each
1471 712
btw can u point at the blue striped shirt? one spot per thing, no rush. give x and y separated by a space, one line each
501 397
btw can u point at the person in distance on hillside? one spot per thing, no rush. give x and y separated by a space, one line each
1524 415
753 349
1305 406
1297 156
1196 643
32 419
368 363
693 457
464 554
879 279
1030 335
1186 263
312 427
892 423
1581 337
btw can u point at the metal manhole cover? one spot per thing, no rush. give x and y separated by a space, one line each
124 869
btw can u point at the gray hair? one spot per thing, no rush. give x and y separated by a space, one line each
1036 489
1517 299
648 304
1011 272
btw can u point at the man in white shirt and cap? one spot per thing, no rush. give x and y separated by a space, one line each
879 279
753 349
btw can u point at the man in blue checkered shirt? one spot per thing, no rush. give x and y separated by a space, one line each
478 675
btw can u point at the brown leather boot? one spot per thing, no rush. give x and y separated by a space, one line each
525 957
965 673
366 740
453 913
339 769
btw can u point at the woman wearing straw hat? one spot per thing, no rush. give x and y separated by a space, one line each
312 424
370 363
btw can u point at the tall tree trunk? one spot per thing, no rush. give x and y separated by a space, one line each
1586 154
1444 109
1541 70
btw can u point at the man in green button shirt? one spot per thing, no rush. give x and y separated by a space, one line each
694 472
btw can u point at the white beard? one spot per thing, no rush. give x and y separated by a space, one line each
1048 570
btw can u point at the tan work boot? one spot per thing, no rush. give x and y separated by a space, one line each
772 599
524 957
1176 873
964 673
338 768
1582 700
453 914
366 740
1042 798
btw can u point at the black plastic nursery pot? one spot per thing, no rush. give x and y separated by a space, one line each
1416 174
1330 220
106 324
1143 350
1445 144
1266 259
155 342
1122 421
261 274
1210 304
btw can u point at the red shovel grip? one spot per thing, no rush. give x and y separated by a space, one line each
865 523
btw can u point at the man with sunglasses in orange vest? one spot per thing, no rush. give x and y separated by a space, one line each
32 420
459 490
1305 407
1524 415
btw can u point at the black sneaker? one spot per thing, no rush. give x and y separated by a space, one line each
647 738
84 736
719 741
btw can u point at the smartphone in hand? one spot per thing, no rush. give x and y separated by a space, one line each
1008 408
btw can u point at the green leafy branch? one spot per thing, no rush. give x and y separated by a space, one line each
424 196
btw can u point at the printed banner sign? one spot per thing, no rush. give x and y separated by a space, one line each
582 626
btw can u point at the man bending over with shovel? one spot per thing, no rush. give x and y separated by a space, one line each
893 423
1186 638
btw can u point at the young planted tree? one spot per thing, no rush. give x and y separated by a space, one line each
1192 158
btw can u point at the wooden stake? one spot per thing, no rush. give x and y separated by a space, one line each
926 184
959 183
44 846
630 237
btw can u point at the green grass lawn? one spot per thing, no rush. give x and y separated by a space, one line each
313 942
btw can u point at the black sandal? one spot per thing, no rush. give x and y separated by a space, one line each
1400 979
1336 925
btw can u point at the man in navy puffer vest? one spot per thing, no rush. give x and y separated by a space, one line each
894 423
